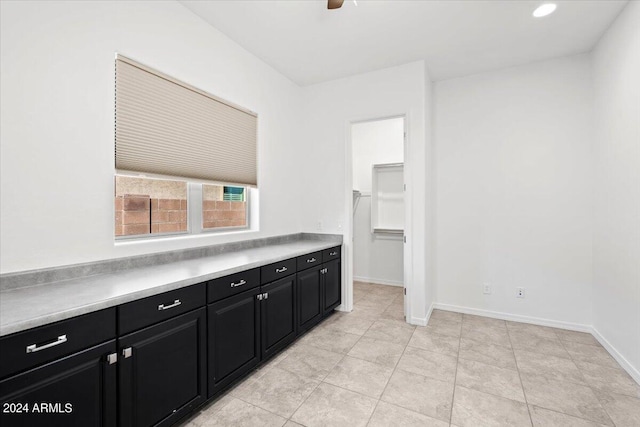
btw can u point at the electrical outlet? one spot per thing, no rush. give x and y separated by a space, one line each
319 226
486 288
519 292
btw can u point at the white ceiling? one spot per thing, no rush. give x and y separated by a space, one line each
310 44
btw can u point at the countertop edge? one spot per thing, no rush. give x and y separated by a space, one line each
12 328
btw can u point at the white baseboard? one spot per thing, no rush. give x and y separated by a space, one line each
515 317
422 321
377 281
631 370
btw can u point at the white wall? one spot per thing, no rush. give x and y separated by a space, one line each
616 250
57 83
514 190
377 258
330 109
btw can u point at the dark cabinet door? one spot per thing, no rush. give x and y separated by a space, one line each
162 371
278 314
309 295
77 390
332 288
234 338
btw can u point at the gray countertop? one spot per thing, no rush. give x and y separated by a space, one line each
28 307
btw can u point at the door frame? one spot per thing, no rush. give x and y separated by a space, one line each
348 198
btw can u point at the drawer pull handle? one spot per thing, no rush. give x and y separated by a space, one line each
311 260
281 270
333 253
240 283
167 307
34 347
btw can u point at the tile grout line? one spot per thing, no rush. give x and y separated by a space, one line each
586 382
328 373
455 376
524 393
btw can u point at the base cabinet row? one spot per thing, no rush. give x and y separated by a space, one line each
159 365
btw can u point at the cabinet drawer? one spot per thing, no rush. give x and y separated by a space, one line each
27 349
275 271
226 286
331 254
308 261
147 311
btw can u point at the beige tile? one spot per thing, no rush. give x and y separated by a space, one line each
373 312
590 354
472 408
292 424
481 321
374 300
239 413
278 391
385 290
569 398
444 327
428 363
420 394
388 415
490 354
490 379
426 340
610 380
330 339
350 323
578 337
529 329
391 331
310 361
486 334
551 367
333 406
545 418
360 376
377 351
394 312
624 410
447 316
531 342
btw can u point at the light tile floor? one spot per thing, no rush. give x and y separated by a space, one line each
369 368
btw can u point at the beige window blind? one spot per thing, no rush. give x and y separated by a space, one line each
167 127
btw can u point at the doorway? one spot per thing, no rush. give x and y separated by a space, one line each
379 214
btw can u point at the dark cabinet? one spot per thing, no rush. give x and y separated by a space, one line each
277 307
152 361
309 296
76 390
332 288
162 373
234 338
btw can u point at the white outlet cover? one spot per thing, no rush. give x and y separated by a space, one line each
520 293
486 289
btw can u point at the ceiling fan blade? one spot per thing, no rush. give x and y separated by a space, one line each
335 4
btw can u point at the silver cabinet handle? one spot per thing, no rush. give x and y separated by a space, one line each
127 352
259 297
34 347
112 358
167 307
266 295
281 270
311 260
240 283
333 253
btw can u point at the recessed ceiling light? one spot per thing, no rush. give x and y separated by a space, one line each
544 10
